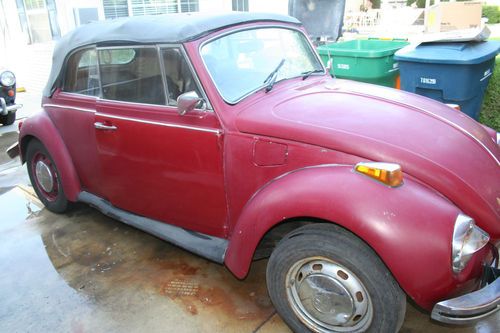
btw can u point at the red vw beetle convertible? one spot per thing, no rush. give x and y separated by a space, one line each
225 135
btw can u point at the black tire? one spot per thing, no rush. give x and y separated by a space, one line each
8 119
55 200
388 301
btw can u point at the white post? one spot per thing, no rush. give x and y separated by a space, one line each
426 12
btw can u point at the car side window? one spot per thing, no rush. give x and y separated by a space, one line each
178 74
131 75
82 75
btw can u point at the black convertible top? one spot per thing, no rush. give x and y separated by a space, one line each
169 28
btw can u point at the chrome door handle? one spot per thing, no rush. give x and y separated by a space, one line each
101 126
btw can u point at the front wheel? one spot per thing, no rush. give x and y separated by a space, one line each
322 278
8 119
45 177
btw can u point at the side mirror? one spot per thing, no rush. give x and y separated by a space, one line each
187 102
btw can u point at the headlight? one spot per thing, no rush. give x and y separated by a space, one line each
7 78
467 240
498 138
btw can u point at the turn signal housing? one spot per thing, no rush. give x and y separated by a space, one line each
389 174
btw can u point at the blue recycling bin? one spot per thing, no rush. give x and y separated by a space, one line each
456 73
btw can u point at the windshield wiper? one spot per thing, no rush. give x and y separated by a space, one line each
305 75
271 78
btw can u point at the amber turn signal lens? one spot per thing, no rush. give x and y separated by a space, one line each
389 174
10 93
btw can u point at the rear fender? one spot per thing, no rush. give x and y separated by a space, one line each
409 227
41 127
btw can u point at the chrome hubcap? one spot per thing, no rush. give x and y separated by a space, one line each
44 176
327 297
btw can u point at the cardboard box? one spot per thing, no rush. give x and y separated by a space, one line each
447 16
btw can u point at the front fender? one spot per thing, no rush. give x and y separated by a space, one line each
409 227
41 127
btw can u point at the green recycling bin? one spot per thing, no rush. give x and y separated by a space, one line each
369 60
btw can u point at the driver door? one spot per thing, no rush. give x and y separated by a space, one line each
154 162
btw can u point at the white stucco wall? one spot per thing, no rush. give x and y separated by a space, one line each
353 5
65 12
10 27
215 5
274 6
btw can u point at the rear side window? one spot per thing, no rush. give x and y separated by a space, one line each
116 56
82 75
131 75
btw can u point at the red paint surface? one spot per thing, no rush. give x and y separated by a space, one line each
221 182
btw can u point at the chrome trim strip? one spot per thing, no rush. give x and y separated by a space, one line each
5 109
163 74
98 72
255 28
135 103
3 106
64 93
201 129
469 308
126 45
68 107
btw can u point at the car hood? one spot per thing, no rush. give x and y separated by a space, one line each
432 142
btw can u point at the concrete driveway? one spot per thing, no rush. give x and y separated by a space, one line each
85 272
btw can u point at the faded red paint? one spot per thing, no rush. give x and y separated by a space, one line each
263 161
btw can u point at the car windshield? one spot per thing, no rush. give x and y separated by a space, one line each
242 62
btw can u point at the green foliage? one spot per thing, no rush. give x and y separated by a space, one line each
492 13
490 113
375 4
420 3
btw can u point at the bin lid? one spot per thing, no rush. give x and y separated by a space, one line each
322 19
450 53
363 48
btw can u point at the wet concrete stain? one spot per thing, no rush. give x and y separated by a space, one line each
85 272
6 139
97 255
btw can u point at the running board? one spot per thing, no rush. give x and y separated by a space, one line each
209 247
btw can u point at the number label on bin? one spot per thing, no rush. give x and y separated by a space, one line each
343 66
428 80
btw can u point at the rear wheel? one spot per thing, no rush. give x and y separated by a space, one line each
45 177
8 119
322 278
